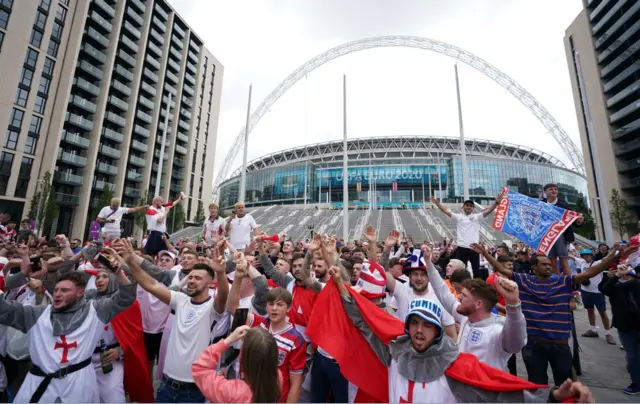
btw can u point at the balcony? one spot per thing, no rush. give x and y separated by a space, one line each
193 56
115 118
153 62
185 113
124 73
137 161
178 30
109 151
190 79
118 103
194 45
145 102
630 183
172 77
182 137
121 87
105 7
170 89
132 192
175 53
157 154
99 185
129 43
107 169
176 188
174 65
98 37
148 88
68 178
131 61
79 121
94 53
142 131
91 69
179 162
141 7
106 25
144 116
162 27
179 175
67 199
112 135
157 51
83 104
71 159
624 148
184 125
134 176
187 101
139 146
189 90
181 150
150 75
161 12
177 42
155 35
131 13
75 139
85 85
628 165
192 67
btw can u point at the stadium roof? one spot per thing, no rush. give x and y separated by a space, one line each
433 150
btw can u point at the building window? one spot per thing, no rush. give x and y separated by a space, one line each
45 83
49 64
23 177
21 97
56 32
52 50
45 5
21 187
40 105
4 18
27 76
1 40
31 144
31 59
61 14
25 167
12 140
65 2
16 118
6 160
36 38
35 125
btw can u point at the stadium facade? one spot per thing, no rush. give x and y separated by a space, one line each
399 171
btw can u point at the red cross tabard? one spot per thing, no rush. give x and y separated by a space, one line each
65 347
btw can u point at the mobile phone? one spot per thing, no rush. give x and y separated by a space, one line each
239 318
104 261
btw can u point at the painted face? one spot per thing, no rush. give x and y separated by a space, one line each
66 294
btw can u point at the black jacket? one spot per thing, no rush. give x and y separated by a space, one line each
625 302
568 234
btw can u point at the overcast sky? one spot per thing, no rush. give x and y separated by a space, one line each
391 92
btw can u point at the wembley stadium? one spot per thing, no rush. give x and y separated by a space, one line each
398 172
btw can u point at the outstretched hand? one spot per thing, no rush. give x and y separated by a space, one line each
570 389
392 238
479 248
370 234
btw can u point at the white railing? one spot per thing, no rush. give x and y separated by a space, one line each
397 222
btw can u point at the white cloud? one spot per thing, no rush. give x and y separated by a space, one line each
390 91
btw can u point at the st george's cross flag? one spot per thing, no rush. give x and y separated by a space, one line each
536 223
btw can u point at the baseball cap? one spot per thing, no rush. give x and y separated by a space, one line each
167 252
429 311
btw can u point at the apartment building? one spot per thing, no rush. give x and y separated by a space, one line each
84 91
602 47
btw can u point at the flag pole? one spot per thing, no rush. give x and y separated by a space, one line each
243 179
345 179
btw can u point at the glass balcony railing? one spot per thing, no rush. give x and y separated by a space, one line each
107 169
184 125
141 7
148 88
129 43
135 16
153 62
134 176
140 162
191 67
85 85
172 77
157 154
99 185
193 56
144 101
189 78
93 52
151 75
144 116
91 69
142 131
170 89
75 139
115 118
182 137
67 199
187 101
161 12
189 90
176 188
121 87
157 51
155 35
179 162
98 37
162 27
72 159
131 61
132 192
106 25
185 113
139 146
112 135
109 151
79 121
630 183
177 175
83 103
175 53
124 73
177 42
174 65
68 178
105 7
118 103
178 30
181 150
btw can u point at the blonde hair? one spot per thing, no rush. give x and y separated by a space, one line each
238 204
213 205
457 264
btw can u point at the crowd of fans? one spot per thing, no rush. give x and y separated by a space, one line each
244 316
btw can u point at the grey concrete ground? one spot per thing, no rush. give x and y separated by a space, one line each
603 365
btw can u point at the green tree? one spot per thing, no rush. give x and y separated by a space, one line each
50 209
620 217
175 219
199 220
588 228
40 205
140 219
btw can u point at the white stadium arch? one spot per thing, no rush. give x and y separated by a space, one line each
481 65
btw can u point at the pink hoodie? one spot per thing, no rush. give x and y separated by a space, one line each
215 387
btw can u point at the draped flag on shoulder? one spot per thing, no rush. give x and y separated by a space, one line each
536 223
330 328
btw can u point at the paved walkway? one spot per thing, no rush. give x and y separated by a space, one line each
603 365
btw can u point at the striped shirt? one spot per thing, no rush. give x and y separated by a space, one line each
545 305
